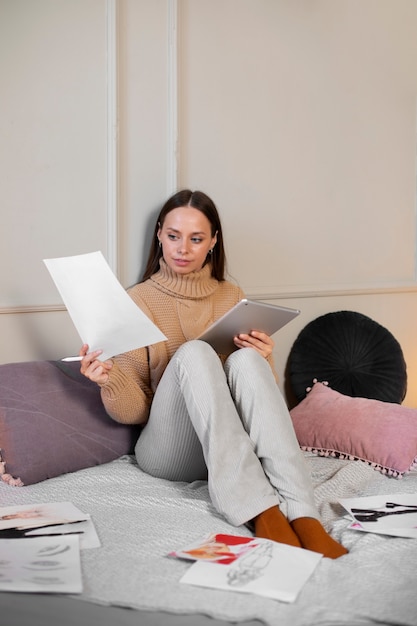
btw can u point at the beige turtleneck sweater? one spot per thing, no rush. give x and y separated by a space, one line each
182 306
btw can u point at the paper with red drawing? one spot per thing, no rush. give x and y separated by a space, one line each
248 565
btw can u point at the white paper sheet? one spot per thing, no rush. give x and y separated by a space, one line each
263 567
104 315
41 564
392 514
39 514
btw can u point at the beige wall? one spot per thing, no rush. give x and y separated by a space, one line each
298 118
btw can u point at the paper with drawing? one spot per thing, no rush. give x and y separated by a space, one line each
249 565
38 515
52 518
394 514
41 564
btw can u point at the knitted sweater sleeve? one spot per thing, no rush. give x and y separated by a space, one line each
127 395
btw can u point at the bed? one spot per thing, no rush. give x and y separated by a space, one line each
354 447
139 519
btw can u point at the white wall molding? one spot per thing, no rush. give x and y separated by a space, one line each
330 293
112 134
172 143
272 295
30 308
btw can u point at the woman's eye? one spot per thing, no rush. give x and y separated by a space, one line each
172 237
196 240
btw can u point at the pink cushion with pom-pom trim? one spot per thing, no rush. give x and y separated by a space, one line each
383 434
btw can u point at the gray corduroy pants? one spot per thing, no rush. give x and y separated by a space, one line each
229 425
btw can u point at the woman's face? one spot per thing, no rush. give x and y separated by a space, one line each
186 239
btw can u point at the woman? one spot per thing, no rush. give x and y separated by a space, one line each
209 416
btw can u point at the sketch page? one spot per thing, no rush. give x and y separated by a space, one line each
273 570
386 514
217 548
39 514
104 315
41 564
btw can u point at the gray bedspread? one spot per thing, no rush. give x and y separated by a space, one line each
139 519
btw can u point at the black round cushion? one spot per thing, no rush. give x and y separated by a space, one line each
354 354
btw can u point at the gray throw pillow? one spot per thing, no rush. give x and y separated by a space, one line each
52 421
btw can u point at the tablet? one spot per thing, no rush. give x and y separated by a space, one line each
245 316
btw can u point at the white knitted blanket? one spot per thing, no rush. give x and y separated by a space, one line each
140 519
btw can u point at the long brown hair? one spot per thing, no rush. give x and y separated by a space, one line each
200 201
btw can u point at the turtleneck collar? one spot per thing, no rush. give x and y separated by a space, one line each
192 286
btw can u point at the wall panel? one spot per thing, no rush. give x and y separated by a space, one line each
299 118
53 140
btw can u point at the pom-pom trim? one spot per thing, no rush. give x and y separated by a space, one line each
344 456
8 478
